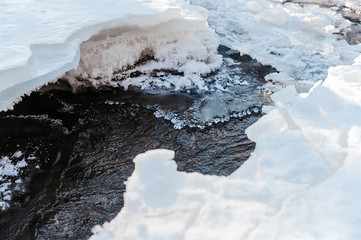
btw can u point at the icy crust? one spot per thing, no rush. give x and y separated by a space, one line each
186 46
301 182
352 5
207 115
230 94
41 41
300 40
10 180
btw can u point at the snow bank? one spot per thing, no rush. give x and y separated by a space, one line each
301 182
301 42
42 40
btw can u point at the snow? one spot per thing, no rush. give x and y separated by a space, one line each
185 46
18 154
41 41
9 171
301 182
301 42
353 5
7 168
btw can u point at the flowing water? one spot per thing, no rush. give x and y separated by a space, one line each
79 147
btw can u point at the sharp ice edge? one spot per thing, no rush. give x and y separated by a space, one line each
229 93
226 95
190 118
173 32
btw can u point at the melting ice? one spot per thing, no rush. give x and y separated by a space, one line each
306 162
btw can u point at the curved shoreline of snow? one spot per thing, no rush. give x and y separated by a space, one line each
301 182
55 49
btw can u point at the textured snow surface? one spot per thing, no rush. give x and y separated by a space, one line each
353 5
301 182
42 40
301 42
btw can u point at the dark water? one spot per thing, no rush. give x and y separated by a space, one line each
82 146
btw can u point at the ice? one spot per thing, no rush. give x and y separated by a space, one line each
306 162
17 154
234 91
9 171
353 5
7 168
187 47
301 42
301 182
41 41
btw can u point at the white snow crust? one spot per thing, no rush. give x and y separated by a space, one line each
42 40
353 5
300 41
301 182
